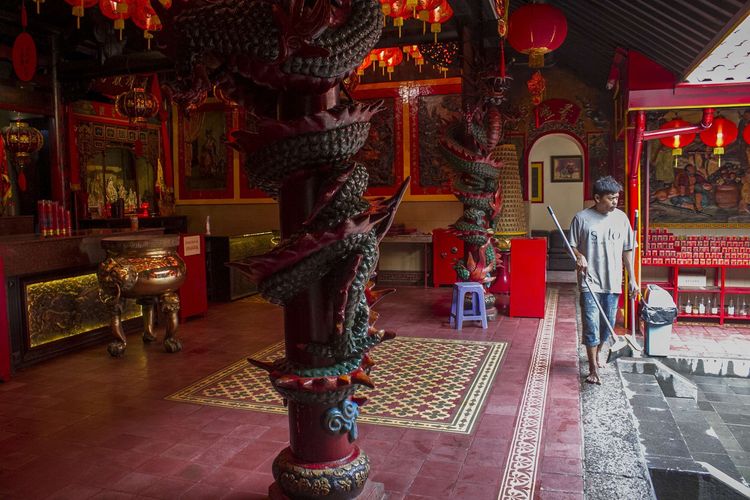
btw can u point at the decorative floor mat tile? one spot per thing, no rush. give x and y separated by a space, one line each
421 383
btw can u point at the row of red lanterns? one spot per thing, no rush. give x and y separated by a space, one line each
720 134
388 58
434 12
141 12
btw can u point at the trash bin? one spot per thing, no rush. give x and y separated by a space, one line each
658 312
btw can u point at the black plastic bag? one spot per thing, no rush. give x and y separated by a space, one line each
658 316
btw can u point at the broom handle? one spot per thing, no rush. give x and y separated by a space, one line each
585 282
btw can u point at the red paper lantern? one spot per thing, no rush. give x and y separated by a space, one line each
722 132
424 7
78 8
536 29
144 16
676 142
438 16
137 105
746 133
117 10
400 10
22 140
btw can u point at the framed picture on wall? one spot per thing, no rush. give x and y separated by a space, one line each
536 182
206 164
566 169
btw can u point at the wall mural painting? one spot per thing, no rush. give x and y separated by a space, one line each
698 188
597 145
205 161
382 154
432 116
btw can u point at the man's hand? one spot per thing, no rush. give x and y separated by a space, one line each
581 263
633 288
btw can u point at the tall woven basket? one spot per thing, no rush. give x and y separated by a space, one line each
513 221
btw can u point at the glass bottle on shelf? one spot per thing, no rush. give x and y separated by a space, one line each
714 307
688 307
730 308
743 308
702 307
695 305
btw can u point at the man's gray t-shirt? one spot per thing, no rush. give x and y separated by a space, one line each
602 238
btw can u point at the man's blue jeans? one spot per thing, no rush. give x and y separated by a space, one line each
595 330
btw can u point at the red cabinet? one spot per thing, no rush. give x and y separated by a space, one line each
528 276
446 249
192 293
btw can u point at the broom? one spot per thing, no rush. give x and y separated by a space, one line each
620 348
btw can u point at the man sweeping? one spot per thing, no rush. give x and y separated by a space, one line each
602 241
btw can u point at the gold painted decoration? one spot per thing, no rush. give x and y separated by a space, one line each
342 481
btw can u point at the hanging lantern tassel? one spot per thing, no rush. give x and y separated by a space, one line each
122 10
423 15
412 6
718 152
676 152
435 28
78 12
399 23
385 8
148 36
21 179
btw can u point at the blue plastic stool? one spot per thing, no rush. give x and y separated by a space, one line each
477 311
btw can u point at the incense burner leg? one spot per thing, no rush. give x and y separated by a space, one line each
116 348
148 309
170 307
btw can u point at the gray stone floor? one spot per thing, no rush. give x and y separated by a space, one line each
614 464
724 404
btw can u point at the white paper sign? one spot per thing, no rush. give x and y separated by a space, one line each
192 245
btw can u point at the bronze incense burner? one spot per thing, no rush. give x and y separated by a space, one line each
148 269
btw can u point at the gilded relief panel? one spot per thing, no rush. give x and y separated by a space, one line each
63 308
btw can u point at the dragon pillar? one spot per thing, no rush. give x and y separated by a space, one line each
285 61
475 176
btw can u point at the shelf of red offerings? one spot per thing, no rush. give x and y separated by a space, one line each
727 256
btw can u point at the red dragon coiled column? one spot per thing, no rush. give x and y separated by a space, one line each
285 60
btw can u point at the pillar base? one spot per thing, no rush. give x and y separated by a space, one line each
372 491
340 480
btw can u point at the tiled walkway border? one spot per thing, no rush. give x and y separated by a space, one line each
523 459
